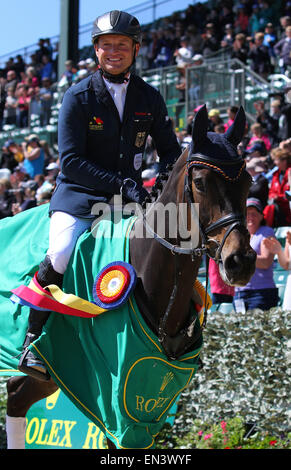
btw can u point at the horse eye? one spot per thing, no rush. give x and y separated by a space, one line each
199 184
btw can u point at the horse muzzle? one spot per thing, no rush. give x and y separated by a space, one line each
238 268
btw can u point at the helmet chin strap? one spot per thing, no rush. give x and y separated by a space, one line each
121 77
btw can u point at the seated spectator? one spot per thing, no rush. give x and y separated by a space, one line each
22 110
260 292
42 51
46 100
221 292
259 56
219 128
10 158
257 133
240 49
282 50
214 119
33 156
284 258
7 198
28 200
9 114
259 188
231 113
277 213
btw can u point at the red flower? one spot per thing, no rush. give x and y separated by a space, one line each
272 443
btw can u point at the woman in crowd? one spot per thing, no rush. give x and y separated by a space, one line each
260 291
33 156
284 258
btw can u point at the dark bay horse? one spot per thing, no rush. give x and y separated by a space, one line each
209 178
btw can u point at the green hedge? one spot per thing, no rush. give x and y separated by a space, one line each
246 373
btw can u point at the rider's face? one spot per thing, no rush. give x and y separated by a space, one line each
115 52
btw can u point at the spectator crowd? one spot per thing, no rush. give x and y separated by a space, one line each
257 33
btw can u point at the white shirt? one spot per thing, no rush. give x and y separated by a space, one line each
118 93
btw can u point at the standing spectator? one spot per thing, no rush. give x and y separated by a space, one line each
270 39
11 80
43 50
47 68
32 79
284 258
259 56
23 100
33 156
184 53
46 100
228 37
221 292
278 210
283 51
2 100
259 188
242 20
210 41
269 123
9 114
266 14
240 48
260 291
254 20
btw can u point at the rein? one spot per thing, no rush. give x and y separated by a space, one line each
232 221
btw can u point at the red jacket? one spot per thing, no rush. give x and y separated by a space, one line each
278 189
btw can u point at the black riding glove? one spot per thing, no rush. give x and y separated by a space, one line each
131 191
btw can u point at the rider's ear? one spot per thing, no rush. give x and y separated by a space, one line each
235 132
200 126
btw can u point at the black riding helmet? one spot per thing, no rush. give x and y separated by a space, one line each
117 22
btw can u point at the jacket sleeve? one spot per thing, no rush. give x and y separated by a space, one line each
163 134
72 141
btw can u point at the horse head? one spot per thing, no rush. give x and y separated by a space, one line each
218 182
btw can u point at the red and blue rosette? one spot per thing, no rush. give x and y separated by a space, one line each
114 284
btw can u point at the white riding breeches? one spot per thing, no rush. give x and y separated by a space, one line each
65 229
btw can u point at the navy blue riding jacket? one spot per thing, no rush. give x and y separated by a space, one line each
97 149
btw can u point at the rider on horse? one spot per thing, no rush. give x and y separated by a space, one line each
103 126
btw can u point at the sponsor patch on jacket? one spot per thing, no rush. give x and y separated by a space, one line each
137 161
96 124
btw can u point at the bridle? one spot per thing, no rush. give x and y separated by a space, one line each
232 221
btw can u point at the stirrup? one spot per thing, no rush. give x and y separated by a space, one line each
31 365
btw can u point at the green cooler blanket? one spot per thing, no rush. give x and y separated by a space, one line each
112 366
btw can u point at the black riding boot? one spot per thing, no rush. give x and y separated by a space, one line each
29 363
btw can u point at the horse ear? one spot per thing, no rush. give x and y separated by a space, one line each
235 132
200 126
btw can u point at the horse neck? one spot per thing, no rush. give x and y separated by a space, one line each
160 271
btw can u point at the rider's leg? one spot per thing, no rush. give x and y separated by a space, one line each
64 232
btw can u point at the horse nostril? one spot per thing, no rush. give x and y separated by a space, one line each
233 262
236 259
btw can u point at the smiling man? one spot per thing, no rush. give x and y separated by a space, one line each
103 126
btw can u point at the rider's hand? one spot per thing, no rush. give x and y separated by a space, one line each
131 191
